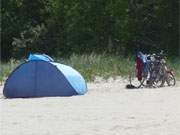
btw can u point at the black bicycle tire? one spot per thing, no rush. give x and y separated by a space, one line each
173 79
130 80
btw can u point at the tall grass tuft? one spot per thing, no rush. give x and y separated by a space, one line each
102 65
92 65
174 63
7 68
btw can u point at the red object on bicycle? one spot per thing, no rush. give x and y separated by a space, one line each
139 68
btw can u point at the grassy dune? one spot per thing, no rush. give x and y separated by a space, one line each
93 65
7 68
100 65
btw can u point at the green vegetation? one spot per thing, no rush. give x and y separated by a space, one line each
75 29
7 68
174 63
94 65
100 65
64 27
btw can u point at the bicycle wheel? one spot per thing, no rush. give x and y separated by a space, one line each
170 79
134 80
158 82
157 79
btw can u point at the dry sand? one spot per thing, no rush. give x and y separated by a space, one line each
107 109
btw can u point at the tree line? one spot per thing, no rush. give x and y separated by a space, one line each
63 27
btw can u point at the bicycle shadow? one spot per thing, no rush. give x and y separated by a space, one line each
130 86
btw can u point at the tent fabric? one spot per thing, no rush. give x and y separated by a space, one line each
39 78
73 77
43 57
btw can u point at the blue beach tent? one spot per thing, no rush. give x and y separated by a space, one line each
40 76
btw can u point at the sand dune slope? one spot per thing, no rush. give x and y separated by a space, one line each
107 109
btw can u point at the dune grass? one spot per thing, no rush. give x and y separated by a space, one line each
7 68
174 63
105 66
93 65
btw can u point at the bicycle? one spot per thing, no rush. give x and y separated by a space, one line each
154 73
162 73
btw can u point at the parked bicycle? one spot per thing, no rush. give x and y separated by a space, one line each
151 71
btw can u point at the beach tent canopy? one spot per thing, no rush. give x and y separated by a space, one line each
40 76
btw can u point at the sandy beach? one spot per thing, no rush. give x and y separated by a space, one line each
107 109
